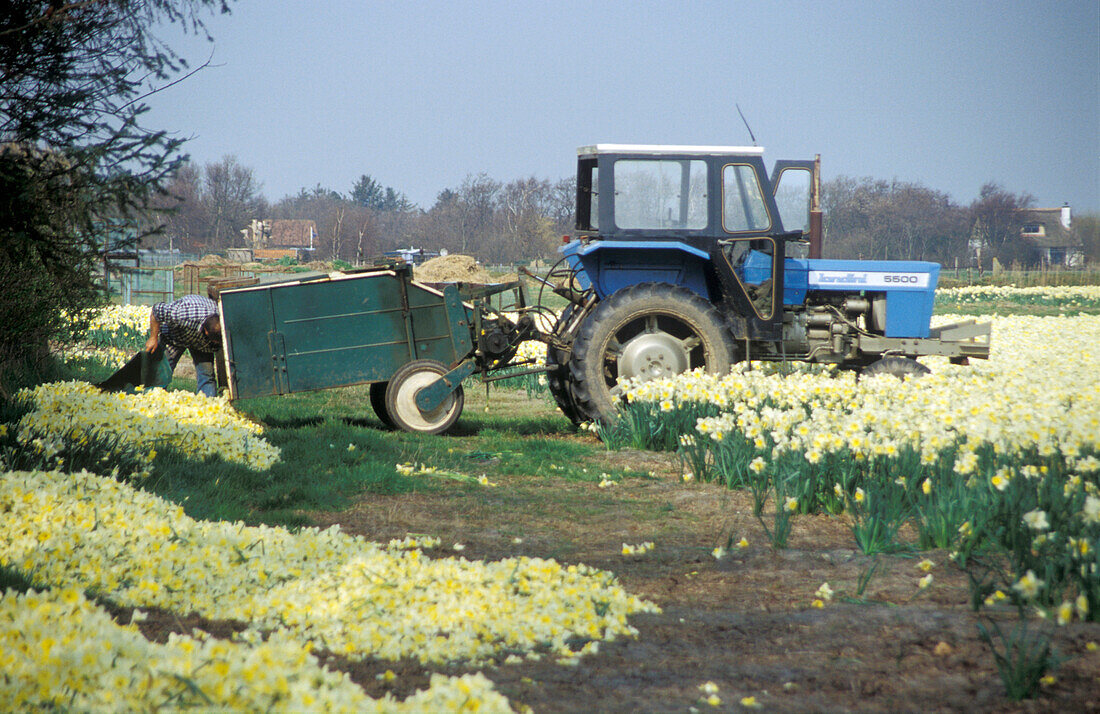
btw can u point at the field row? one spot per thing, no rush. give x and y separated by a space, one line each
999 454
1067 297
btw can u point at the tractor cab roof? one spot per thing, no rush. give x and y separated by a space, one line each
668 150
681 192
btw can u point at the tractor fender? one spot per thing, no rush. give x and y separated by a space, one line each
610 266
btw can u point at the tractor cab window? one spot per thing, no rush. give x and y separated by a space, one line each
753 260
660 194
793 187
743 207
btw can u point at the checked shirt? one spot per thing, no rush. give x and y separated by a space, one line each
181 325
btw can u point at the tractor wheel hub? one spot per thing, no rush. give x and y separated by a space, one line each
653 356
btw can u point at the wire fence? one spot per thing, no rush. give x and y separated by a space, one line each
149 277
1021 278
130 285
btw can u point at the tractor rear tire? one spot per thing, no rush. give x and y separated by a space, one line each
401 399
645 331
557 372
900 367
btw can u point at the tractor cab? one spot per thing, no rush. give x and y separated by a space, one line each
637 192
705 217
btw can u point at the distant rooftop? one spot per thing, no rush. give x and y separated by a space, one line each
1044 226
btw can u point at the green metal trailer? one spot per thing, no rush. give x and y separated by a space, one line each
412 342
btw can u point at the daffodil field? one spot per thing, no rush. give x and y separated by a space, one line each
320 589
193 425
1001 453
113 334
62 651
70 533
996 462
1070 298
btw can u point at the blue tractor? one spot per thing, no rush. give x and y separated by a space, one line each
693 256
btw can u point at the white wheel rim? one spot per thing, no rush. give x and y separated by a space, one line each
652 356
404 403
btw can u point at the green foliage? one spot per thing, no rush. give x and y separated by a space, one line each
950 502
1023 657
534 385
317 472
1011 302
370 194
75 160
48 253
12 579
128 338
878 513
100 454
1062 548
645 425
785 506
866 575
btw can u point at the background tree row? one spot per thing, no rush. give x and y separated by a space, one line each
524 219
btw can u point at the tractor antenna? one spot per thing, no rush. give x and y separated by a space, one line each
746 123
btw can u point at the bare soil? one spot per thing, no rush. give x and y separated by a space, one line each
745 622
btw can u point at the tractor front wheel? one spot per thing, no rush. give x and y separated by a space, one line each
643 332
900 367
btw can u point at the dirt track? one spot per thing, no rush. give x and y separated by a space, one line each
745 622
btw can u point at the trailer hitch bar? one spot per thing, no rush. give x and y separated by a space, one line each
430 397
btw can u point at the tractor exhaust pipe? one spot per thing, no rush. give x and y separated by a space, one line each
816 227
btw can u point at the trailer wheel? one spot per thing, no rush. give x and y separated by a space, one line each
900 367
378 403
645 331
557 372
401 399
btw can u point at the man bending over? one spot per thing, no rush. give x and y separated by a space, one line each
190 323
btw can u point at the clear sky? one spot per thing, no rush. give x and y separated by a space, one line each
420 94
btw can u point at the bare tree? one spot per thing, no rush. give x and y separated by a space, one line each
181 211
338 211
876 219
1087 230
525 207
444 221
563 203
477 198
997 214
232 198
366 234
